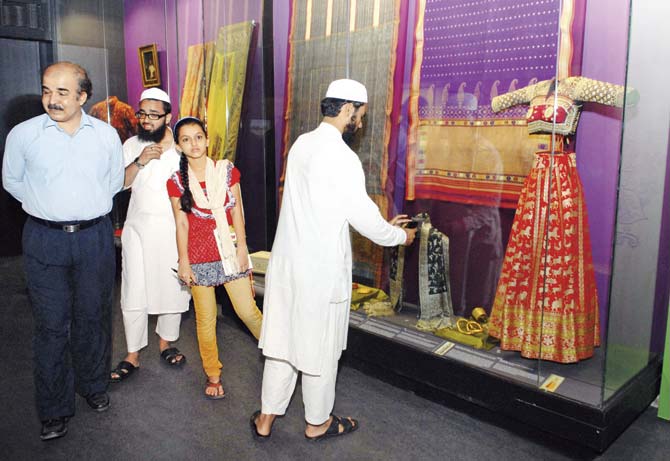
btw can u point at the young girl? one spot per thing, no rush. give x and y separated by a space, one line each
211 241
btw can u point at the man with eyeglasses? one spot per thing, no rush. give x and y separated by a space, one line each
149 249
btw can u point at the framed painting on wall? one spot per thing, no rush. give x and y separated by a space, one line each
149 65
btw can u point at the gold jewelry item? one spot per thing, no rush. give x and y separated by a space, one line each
468 327
479 314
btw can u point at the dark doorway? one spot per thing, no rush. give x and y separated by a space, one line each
19 101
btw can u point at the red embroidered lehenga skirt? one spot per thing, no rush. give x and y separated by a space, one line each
546 304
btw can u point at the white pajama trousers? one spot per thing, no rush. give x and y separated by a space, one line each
148 284
136 325
318 392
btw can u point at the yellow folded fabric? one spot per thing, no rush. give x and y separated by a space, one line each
374 301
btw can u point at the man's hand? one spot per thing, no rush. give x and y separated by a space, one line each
150 152
399 219
411 233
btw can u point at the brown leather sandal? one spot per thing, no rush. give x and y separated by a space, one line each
219 394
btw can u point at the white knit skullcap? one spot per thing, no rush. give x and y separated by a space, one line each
347 89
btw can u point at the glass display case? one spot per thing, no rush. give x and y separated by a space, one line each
529 140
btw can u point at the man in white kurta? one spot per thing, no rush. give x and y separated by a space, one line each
149 250
308 282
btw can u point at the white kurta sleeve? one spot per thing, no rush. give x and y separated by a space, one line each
363 214
130 151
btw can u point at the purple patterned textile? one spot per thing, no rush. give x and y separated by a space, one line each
475 50
467 53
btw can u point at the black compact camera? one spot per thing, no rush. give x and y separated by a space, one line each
415 221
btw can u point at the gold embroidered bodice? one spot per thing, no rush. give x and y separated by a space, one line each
568 94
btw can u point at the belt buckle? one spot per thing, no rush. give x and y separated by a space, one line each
70 228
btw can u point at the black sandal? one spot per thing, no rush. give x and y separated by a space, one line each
170 355
122 371
349 425
254 429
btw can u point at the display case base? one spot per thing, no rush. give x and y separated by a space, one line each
455 383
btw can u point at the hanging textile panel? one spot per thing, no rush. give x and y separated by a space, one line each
327 36
466 53
214 86
323 32
226 89
198 72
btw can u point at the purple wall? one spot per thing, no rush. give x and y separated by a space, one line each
281 17
663 269
145 23
173 30
599 135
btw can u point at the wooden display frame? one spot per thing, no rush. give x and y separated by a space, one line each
151 75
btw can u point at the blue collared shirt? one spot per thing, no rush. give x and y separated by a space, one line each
62 177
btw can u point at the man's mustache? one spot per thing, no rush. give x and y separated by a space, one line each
54 107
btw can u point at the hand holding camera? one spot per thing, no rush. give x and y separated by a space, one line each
409 225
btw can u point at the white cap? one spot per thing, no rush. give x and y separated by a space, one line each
155 93
347 89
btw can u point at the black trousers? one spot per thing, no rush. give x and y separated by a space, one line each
70 282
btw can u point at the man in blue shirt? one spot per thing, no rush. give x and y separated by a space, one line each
65 167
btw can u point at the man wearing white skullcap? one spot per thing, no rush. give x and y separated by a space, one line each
149 249
308 281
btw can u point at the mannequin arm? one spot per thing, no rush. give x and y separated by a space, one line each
520 96
589 90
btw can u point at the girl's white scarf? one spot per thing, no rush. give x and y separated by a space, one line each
216 181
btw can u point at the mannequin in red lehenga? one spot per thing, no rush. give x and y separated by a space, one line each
546 304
